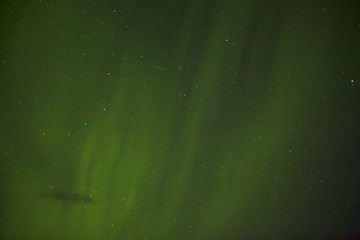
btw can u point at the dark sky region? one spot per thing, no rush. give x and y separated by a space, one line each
170 119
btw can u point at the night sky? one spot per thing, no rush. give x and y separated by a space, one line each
170 119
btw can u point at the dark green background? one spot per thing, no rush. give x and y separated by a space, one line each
185 119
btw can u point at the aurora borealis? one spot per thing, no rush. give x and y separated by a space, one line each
179 119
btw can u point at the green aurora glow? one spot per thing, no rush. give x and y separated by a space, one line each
179 119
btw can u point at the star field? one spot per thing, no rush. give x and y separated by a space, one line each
179 120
